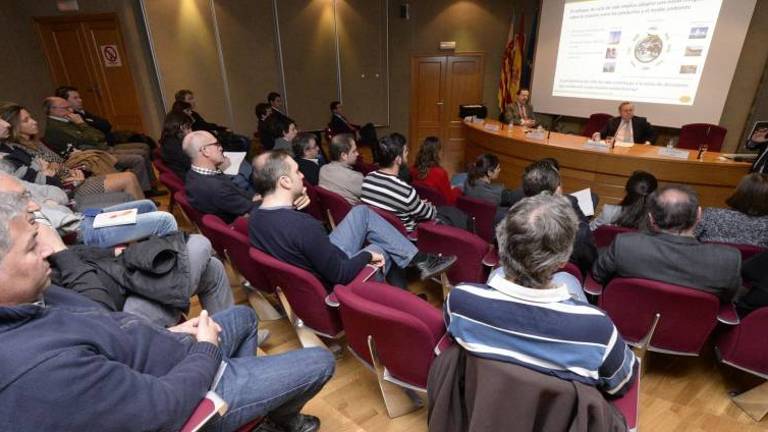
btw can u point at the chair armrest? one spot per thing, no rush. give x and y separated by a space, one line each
366 273
491 258
211 405
591 286
445 342
727 314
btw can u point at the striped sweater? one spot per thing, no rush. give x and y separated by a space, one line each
542 329
389 193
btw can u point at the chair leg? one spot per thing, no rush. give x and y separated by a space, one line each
642 346
399 401
754 402
262 306
446 284
307 337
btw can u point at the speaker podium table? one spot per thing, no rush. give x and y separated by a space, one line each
604 170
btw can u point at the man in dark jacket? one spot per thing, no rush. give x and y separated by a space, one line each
74 366
229 140
629 128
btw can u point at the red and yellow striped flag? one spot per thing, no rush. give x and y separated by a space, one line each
511 65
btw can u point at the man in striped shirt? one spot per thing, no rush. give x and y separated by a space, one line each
383 189
520 317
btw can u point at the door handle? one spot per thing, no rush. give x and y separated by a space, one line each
439 103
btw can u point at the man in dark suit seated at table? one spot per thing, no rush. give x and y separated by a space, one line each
629 128
671 253
340 124
520 112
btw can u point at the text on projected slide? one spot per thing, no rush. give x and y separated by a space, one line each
637 50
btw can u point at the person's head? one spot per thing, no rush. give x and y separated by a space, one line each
24 271
275 100
57 107
674 209
392 151
5 130
275 173
428 156
203 149
185 95
486 167
22 126
182 107
523 94
751 195
541 176
305 146
536 238
284 127
176 124
72 95
262 111
627 110
335 107
639 187
344 149
10 184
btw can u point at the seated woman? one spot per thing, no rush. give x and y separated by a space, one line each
176 126
746 221
36 163
631 211
479 184
427 170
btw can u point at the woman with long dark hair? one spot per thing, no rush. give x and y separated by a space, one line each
480 177
746 219
631 212
176 126
427 170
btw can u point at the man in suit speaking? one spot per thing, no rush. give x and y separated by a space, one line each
520 112
629 128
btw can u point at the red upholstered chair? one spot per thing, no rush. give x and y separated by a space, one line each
604 234
468 248
629 405
430 194
303 298
694 134
743 347
394 333
162 167
595 123
211 405
395 221
334 205
190 213
573 269
364 167
314 208
688 315
174 184
747 250
483 213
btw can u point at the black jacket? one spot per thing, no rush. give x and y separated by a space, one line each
174 157
642 131
199 123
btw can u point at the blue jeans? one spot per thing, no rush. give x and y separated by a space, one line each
277 386
363 224
148 223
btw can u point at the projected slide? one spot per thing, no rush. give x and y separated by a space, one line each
639 50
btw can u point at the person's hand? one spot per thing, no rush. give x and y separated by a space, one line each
377 259
207 329
75 177
302 201
188 327
47 236
224 165
75 118
45 167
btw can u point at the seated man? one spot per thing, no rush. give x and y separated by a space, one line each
520 112
229 140
338 176
671 253
629 128
149 221
306 152
339 123
275 101
383 189
64 128
299 239
131 374
521 317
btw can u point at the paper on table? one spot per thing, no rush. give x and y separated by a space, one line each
624 144
584 197
236 158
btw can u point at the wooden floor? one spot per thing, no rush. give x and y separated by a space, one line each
677 393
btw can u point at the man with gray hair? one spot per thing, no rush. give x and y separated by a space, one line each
520 316
671 253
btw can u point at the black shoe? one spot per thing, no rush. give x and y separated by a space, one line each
435 264
300 423
155 193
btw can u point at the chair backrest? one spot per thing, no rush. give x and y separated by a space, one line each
195 216
334 203
405 328
694 134
314 208
236 245
392 219
596 123
364 167
430 194
304 292
172 182
604 234
687 315
468 248
747 251
744 345
484 213
161 166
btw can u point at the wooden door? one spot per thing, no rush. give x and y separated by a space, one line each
87 51
439 84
